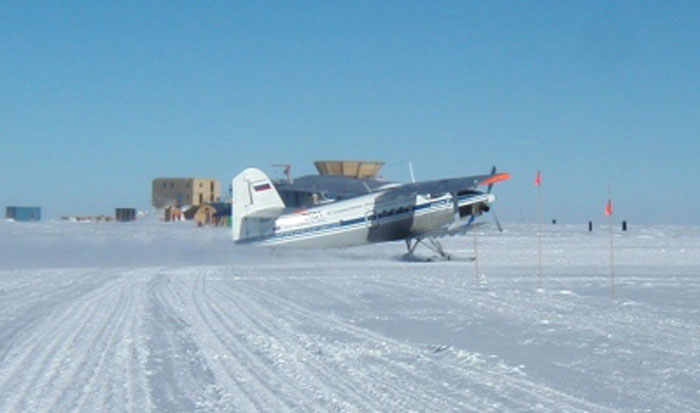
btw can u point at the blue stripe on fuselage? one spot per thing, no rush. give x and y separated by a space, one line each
344 225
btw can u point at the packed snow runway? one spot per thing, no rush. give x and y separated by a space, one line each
168 317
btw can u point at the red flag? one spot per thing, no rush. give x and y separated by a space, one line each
538 179
608 207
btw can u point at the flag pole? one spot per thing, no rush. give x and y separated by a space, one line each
609 212
539 227
476 261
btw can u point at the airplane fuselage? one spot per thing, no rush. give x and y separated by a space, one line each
375 217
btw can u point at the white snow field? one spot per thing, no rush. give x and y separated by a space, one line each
151 316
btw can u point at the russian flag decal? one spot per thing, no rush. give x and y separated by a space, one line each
261 187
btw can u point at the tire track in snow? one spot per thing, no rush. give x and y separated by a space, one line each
39 358
117 370
396 378
90 348
27 303
178 375
462 298
253 382
401 387
471 370
280 346
361 351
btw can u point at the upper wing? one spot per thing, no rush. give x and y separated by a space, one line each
341 186
451 185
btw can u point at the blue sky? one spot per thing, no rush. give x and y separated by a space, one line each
98 98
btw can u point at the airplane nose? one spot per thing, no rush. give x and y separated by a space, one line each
490 198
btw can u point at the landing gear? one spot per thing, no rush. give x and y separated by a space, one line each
432 244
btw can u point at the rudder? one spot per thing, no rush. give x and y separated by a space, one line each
256 204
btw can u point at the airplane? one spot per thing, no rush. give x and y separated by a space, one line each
416 212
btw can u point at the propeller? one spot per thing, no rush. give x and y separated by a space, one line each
455 201
490 187
493 212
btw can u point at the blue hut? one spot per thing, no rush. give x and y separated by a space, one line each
23 213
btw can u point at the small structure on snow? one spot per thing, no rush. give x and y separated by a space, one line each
202 215
125 214
23 213
174 213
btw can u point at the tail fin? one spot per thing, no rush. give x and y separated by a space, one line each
256 204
